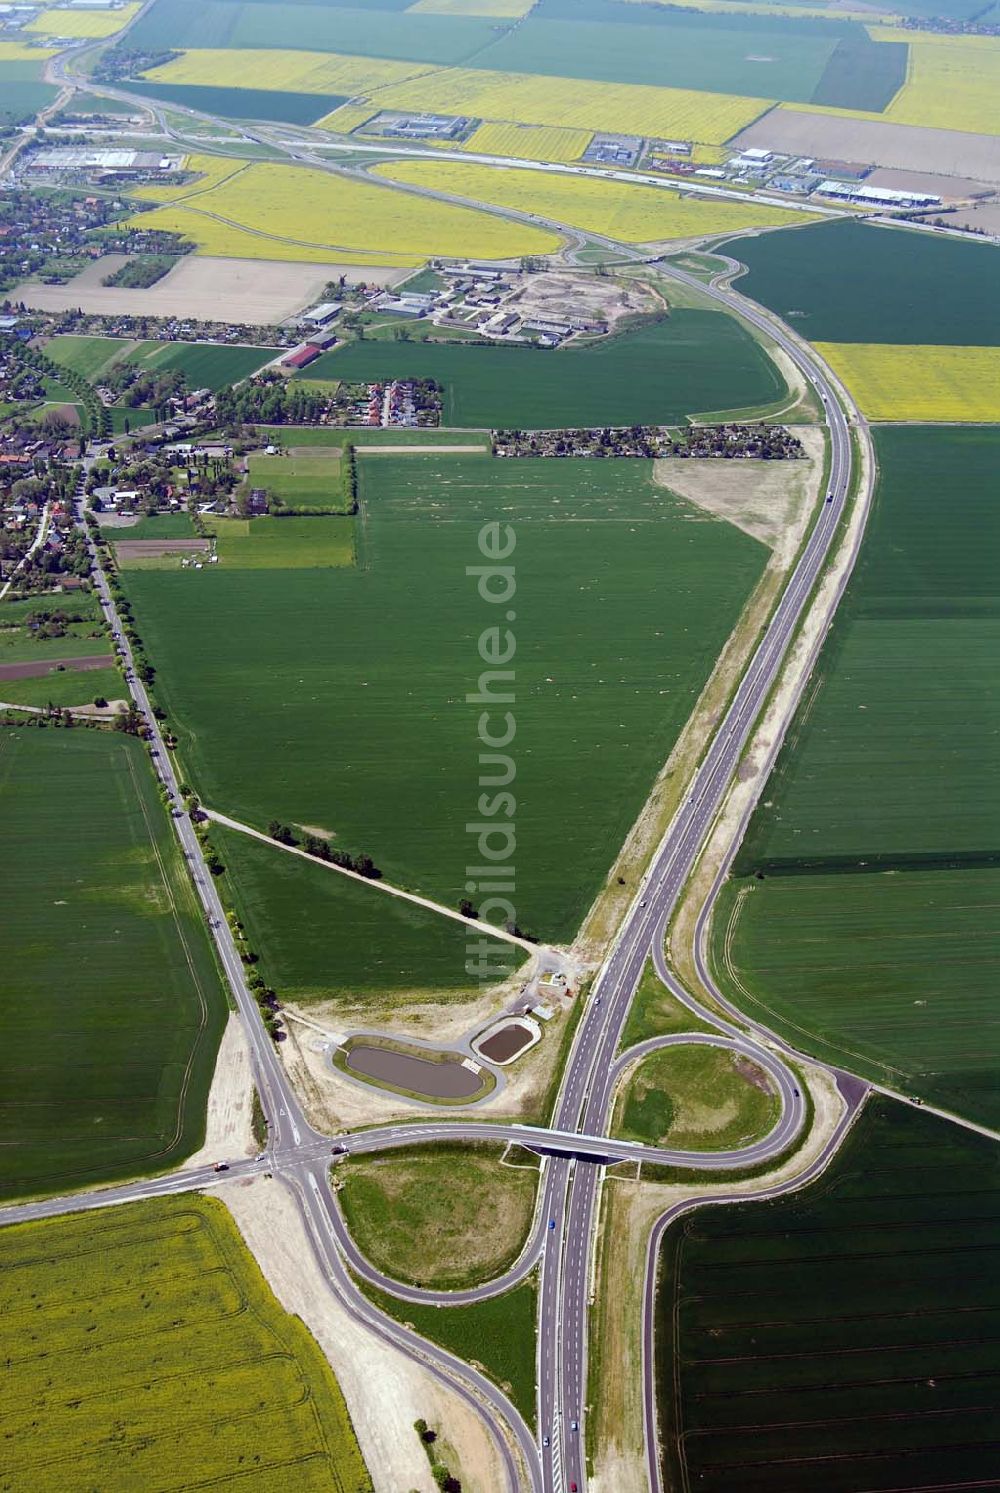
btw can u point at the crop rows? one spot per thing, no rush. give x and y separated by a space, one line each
171 1365
848 1336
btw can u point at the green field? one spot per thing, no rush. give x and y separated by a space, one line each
442 1216
113 999
156 526
88 356
314 481
322 936
893 975
314 28
873 934
283 544
17 645
851 282
147 1350
67 687
845 1337
22 96
274 544
205 365
765 57
353 682
498 1334
691 363
696 1098
892 760
242 103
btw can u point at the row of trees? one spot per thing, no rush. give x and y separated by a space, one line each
323 851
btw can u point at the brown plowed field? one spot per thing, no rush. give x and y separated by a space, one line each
35 668
139 549
870 141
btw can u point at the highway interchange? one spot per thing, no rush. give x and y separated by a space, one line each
577 1147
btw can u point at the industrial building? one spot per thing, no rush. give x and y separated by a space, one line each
418 126
88 161
845 191
613 150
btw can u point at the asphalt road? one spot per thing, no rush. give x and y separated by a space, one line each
577 1146
588 1087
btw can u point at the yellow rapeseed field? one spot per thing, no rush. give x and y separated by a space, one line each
298 72
919 383
17 51
347 118
288 212
631 214
633 108
504 9
210 171
229 241
82 23
528 142
952 83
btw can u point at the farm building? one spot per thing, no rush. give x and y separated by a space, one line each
325 312
301 358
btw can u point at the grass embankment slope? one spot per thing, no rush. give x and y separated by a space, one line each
113 999
148 1351
873 938
842 1337
354 681
447 1216
498 1335
696 1098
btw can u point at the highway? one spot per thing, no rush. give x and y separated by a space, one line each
588 1087
576 1146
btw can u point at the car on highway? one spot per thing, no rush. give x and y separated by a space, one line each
220 1166
552 1223
546 1440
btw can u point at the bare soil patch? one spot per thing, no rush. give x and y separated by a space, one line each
229 1118
95 272
139 549
35 668
875 142
385 1391
565 295
985 216
770 500
957 187
206 288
